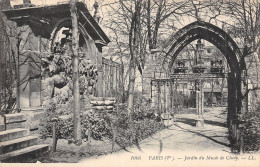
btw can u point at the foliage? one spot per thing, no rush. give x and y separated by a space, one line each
101 123
58 87
181 100
98 124
64 130
251 130
141 129
8 60
145 122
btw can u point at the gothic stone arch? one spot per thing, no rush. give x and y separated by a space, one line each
219 38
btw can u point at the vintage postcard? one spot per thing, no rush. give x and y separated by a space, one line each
130 83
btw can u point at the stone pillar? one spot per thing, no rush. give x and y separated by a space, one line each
154 94
147 76
200 105
146 84
100 70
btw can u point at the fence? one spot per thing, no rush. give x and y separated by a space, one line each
169 94
113 85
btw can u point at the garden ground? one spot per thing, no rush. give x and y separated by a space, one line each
182 142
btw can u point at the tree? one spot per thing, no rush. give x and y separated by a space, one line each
138 29
241 20
134 44
160 19
75 71
246 31
8 60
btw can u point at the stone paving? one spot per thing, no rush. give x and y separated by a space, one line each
181 144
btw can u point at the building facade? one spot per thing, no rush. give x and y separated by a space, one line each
207 57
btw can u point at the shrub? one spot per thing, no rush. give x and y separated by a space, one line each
251 130
98 124
145 122
92 120
64 127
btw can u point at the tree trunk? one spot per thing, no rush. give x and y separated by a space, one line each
134 51
149 33
75 77
134 39
157 23
130 103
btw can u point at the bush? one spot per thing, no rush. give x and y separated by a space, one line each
92 120
251 130
64 127
98 124
145 122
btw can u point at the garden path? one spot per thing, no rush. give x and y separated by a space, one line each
180 144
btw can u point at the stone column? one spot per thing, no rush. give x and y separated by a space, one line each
200 105
147 76
146 83
100 70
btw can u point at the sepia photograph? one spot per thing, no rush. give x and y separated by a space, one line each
130 83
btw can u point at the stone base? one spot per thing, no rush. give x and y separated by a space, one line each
2 122
199 122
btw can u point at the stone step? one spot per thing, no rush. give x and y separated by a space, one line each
28 119
15 125
24 154
34 109
17 144
14 118
17 120
13 134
